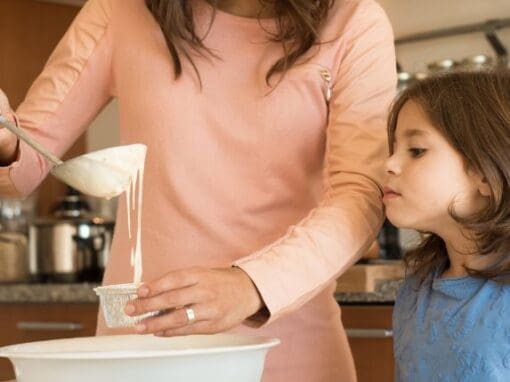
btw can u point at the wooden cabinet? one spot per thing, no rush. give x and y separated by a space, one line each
30 30
36 322
370 336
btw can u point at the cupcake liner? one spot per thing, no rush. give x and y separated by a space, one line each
113 300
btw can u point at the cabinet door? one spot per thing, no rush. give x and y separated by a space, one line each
37 322
370 337
29 32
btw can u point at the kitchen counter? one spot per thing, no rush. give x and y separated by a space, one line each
48 293
385 293
83 293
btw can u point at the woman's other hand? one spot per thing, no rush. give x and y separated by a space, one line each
8 141
196 301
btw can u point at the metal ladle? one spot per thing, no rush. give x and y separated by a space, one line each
104 173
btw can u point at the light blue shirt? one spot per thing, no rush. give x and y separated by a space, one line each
452 330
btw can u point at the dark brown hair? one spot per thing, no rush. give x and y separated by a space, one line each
472 112
298 21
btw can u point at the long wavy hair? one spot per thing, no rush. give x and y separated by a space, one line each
299 23
471 110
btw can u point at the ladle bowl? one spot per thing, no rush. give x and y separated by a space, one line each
104 173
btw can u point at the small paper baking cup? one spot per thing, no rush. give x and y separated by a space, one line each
113 300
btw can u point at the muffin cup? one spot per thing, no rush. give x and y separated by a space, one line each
113 300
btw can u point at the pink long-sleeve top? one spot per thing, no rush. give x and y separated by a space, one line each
283 182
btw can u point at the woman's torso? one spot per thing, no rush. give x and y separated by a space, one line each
230 167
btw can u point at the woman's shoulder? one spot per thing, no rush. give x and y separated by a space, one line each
358 7
106 9
95 14
357 21
356 14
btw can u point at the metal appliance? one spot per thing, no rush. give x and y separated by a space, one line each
71 246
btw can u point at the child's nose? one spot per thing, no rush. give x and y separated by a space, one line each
392 167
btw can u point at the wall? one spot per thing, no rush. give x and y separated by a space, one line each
414 16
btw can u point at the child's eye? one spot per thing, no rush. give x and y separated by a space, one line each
416 152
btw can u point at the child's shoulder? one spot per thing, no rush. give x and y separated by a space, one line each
412 284
408 294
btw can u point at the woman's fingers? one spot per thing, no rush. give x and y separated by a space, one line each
177 319
167 300
5 108
8 141
172 280
197 301
200 327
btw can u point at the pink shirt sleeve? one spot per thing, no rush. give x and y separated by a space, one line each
73 87
314 252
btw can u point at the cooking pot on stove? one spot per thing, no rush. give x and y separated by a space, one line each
71 246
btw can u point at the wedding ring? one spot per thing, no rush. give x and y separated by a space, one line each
190 313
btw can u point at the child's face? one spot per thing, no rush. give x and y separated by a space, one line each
425 175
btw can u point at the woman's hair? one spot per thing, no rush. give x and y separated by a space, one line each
298 21
471 110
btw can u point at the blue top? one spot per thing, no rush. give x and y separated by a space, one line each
452 330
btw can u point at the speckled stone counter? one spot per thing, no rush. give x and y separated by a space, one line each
83 293
48 293
385 293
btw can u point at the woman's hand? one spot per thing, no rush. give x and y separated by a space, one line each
219 299
8 141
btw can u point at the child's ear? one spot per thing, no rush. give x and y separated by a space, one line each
483 187
481 182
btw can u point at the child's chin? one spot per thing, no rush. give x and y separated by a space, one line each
398 221
402 224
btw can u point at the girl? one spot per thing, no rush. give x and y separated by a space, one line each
265 127
449 176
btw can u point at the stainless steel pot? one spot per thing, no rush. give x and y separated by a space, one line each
69 249
74 245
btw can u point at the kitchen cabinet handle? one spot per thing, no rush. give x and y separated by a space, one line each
41 325
369 333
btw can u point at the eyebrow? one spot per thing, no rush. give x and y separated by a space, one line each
411 133
414 132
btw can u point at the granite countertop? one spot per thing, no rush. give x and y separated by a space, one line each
48 293
385 293
84 293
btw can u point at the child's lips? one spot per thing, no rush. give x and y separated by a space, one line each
390 194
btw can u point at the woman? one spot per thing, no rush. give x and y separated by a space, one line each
264 123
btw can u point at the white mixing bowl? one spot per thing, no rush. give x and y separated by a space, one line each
135 358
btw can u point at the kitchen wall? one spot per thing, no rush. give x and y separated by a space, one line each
407 17
413 16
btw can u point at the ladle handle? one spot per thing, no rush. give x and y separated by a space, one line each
29 140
